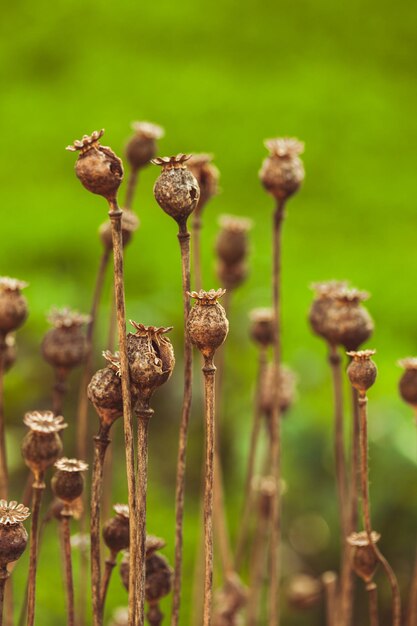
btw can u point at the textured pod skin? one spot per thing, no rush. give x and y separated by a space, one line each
13 541
105 393
362 371
100 171
232 276
41 450
116 533
304 592
64 347
282 177
207 326
177 193
286 390
130 223
158 578
341 322
13 310
408 386
151 362
262 329
67 486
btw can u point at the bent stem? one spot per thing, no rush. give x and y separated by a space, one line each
209 371
373 604
101 442
38 488
115 215
66 541
248 489
184 240
366 510
108 569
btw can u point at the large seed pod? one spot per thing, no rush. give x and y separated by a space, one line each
362 370
68 482
116 529
13 305
65 345
282 172
176 189
141 147
105 390
207 323
13 535
97 166
42 445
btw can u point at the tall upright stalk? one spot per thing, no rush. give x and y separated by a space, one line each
59 390
196 230
412 602
4 474
4 575
115 215
184 241
69 582
372 592
329 580
38 488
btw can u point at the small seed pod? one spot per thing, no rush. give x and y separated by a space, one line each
304 592
338 316
262 327
286 392
13 535
130 223
207 323
13 305
151 358
65 345
116 529
232 276
207 176
68 482
282 172
176 190
141 147
105 390
42 445
362 370
158 578
232 243
408 381
97 166
364 559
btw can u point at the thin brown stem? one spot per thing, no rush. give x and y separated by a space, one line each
209 371
59 390
220 522
196 230
275 535
38 488
184 240
4 575
131 187
329 580
101 442
412 601
69 583
248 489
115 215
257 568
144 414
366 510
4 473
372 591
108 569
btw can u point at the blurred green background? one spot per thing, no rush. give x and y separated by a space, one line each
221 77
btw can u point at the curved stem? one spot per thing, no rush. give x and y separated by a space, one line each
108 569
209 371
373 604
366 511
38 488
66 540
248 489
115 215
101 441
184 240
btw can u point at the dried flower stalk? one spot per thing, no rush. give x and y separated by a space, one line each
38 488
69 583
329 580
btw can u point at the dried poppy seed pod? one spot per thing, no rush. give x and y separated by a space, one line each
13 535
362 370
232 276
232 244
207 176
68 482
286 394
116 529
105 391
65 345
176 190
282 172
338 316
97 166
151 546
42 445
408 381
151 358
158 578
262 326
207 323
304 592
130 223
13 305
141 147
364 559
